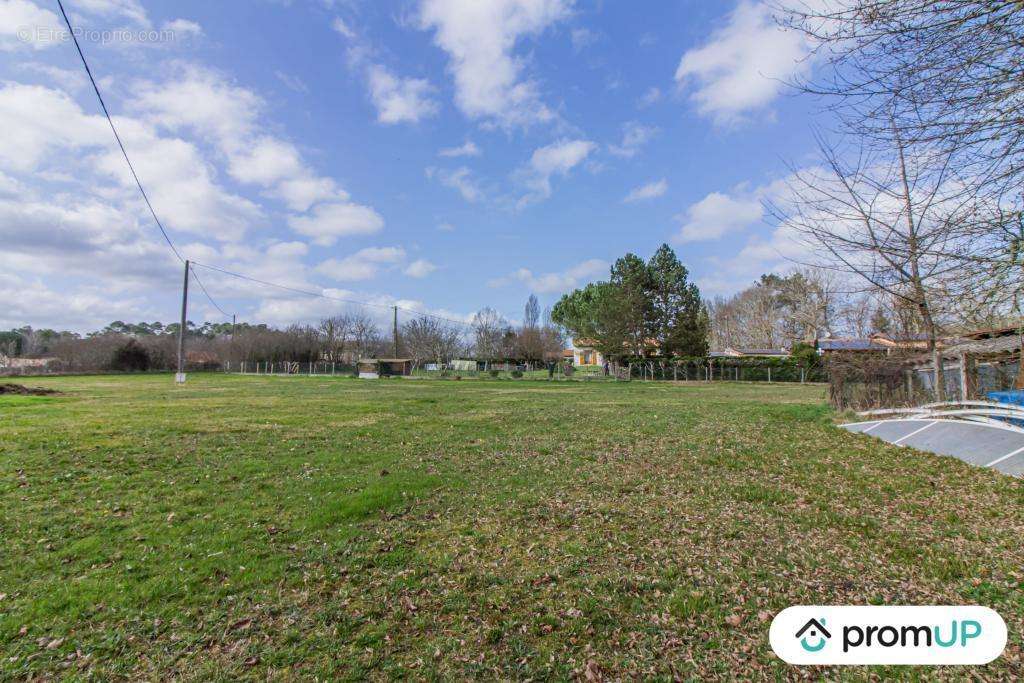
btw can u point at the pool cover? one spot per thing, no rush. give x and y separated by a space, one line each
985 445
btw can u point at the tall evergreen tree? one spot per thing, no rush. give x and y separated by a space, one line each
632 279
677 321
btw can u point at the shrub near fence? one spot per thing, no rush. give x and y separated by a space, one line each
727 369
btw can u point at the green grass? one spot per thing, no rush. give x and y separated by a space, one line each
297 527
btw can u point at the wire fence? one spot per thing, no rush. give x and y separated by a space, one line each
768 371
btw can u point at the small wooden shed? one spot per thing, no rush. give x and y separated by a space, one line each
372 368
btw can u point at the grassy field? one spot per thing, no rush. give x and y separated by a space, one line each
274 527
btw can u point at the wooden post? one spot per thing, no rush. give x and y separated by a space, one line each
769 374
968 377
180 376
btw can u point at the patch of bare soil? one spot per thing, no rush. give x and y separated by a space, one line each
25 391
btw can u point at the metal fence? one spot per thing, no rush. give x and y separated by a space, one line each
691 371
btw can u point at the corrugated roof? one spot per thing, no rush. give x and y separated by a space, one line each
1005 344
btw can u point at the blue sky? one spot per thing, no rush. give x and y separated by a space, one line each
444 155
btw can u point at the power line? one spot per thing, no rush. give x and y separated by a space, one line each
124 153
117 137
167 237
203 287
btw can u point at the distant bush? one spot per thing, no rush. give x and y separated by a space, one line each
517 373
494 373
131 357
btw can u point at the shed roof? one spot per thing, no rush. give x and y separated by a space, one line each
1004 344
994 332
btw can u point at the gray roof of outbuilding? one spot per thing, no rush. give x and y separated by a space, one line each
850 345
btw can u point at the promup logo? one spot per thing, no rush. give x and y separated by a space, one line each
888 635
817 634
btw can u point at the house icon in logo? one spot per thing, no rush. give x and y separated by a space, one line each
816 631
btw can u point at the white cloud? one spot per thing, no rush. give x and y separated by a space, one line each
557 282
69 80
443 227
302 192
327 222
342 28
718 214
651 96
40 121
292 82
419 268
742 67
279 250
466 149
183 29
557 158
365 264
35 302
37 120
206 103
634 136
651 190
460 179
400 99
266 161
128 9
480 37
25 24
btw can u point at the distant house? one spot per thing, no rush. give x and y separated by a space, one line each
372 368
904 341
831 345
584 352
730 352
878 342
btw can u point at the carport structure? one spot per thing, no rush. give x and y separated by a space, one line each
978 432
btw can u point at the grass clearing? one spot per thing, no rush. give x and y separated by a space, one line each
292 527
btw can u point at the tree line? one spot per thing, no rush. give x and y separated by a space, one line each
342 338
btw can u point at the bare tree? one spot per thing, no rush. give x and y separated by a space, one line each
946 73
489 329
892 218
939 75
777 311
429 339
335 330
366 338
531 312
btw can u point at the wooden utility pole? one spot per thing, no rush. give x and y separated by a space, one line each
395 327
180 377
